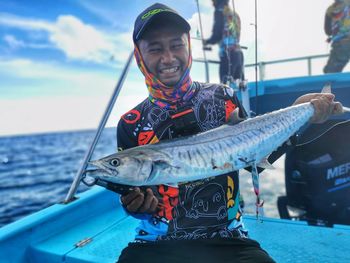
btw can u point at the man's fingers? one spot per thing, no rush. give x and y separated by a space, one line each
154 204
324 107
150 203
126 199
311 96
147 202
135 204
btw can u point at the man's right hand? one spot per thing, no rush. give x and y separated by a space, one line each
137 201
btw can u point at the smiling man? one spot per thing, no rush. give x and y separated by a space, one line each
197 221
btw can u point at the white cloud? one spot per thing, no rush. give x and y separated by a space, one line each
80 41
70 99
24 23
77 40
13 42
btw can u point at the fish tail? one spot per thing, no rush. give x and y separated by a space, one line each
328 89
346 109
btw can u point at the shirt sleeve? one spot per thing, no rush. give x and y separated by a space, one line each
328 25
238 24
125 137
218 27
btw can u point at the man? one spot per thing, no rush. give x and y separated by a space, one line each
197 221
227 31
337 28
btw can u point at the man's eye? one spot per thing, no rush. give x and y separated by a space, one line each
114 162
178 46
155 50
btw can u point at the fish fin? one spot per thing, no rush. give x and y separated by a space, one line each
225 166
264 163
327 88
346 109
162 163
234 117
174 185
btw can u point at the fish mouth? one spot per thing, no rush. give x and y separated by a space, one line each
95 172
97 168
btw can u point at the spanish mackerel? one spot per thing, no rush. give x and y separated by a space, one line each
227 148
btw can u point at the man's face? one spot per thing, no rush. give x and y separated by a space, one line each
165 52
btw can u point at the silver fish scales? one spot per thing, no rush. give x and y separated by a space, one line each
229 147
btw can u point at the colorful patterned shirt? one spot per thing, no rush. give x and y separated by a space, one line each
201 209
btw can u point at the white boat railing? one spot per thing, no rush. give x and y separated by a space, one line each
262 65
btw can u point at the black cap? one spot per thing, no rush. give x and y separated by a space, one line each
157 12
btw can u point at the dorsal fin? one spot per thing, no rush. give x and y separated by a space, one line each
327 88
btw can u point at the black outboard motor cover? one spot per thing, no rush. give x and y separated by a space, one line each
318 176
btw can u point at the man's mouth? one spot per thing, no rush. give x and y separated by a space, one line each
169 70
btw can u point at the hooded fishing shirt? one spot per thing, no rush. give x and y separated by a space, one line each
337 21
207 208
226 30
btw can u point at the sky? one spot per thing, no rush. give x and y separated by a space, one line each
60 60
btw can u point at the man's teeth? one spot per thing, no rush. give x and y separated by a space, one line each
170 70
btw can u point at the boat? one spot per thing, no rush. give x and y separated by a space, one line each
93 227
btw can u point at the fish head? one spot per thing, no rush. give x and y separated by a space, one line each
123 168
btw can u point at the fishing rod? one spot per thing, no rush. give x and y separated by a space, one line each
203 48
256 56
79 176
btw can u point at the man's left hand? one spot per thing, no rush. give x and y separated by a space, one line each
324 104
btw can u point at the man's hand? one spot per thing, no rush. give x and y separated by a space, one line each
324 104
138 201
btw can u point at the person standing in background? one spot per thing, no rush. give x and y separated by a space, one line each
337 28
226 31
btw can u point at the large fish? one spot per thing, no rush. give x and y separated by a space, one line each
227 148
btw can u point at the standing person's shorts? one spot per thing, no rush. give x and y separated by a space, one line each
338 57
237 250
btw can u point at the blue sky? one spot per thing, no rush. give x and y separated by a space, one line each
60 60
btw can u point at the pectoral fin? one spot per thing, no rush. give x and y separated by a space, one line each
234 117
264 163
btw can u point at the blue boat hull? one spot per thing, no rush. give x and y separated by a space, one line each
97 221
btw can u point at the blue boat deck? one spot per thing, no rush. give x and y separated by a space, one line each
94 228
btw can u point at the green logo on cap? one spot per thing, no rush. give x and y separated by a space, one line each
154 11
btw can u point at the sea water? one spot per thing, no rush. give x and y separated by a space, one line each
36 171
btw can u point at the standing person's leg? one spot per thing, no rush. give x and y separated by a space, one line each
237 61
223 69
338 58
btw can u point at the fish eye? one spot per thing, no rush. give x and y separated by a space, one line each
114 162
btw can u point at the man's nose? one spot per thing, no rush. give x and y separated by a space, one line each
167 56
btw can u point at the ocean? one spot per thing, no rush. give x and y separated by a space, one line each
36 171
